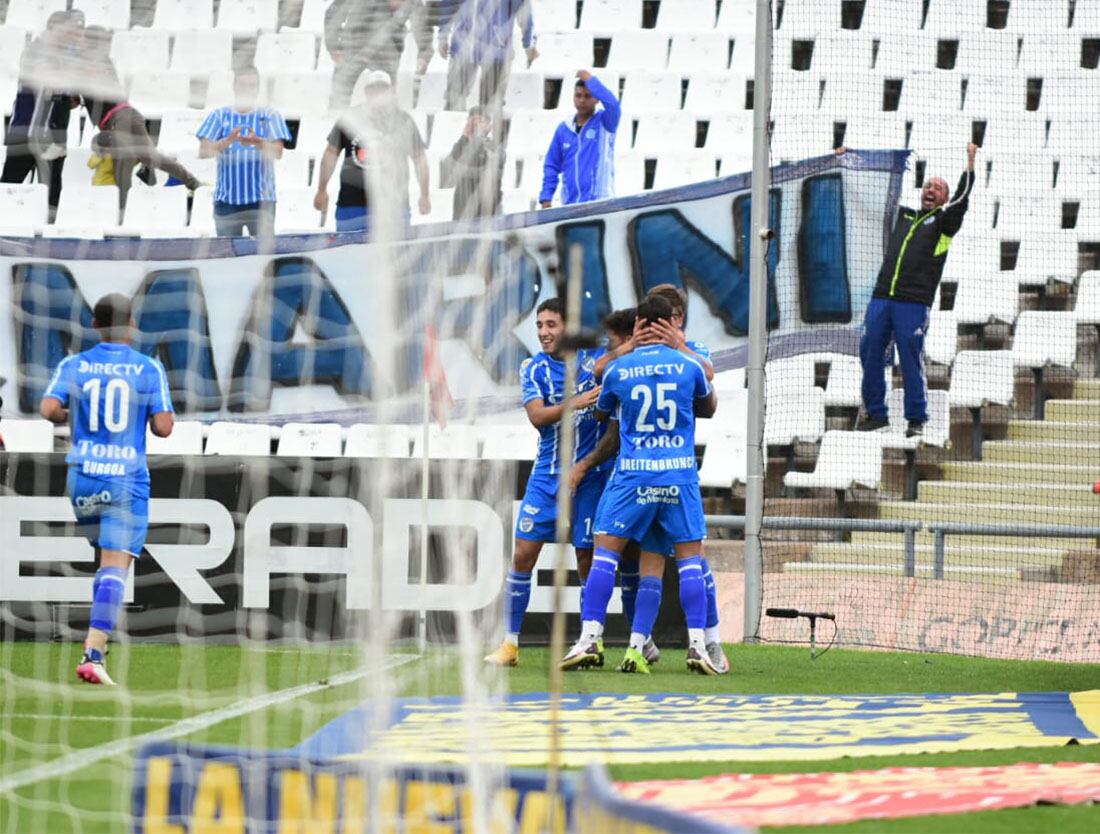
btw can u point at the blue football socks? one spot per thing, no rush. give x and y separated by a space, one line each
628 582
649 603
693 594
108 590
517 587
600 584
712 595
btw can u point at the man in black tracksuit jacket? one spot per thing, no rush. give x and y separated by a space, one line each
906 286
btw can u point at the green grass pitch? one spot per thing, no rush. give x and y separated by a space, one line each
46 715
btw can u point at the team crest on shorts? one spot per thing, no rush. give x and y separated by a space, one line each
526 525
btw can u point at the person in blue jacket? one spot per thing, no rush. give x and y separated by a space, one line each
582 152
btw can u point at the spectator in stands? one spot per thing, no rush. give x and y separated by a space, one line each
476 161
898 311
378 141
246 141
370 34
37 131
582 152
101 163
121 126
478 35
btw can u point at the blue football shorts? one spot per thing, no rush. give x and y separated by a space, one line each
111 513
537 520
630 510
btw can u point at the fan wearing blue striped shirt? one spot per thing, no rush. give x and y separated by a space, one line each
246 141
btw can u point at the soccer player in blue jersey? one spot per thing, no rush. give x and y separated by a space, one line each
544 395
109 394
656 392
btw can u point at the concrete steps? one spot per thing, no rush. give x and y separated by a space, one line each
1050 495
1073 411
1017 473
1031 451
981 557
1086 389
926 539
971 513
1049 431
925 571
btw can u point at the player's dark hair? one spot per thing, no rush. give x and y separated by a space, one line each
654 308
112 315
677 297
579 84
620 322
554 305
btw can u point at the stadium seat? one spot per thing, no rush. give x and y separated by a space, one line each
737 19
605 17
651 92
23 209
731 380
1046 57
806 20
34 436
139 50
199 52
530 131
843 53
901 55
882 130
793 413
155 212
677 168
694 52
310 440
76 170
995 96
32 14
562 14
294 211
1024 133
518 200
1086 18
842 386
313 134
986 297
629 173
447 126
509 442
659 133
431 95
185 439
250 439
299 94
456 442
111 14
986 52
936 432
1087 309
155 92
177 15
312 19
1064 96
1047 256
882 17
687 15
563 52
1042 337
292 169
377 440
442 206
643 50
178 128
524 91
245 17
13 40
941 342
205 168
979 377
744 55
85 211
845 459
286 51
201 222
729 131
951 18
724 458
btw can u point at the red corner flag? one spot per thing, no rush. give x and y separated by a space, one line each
436 378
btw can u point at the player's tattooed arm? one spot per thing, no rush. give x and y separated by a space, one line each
540 414
607 447
52 410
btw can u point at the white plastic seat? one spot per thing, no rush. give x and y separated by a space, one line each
737 18
804 20
204 168
524 91
27 435
744 54
509 442
693 52
901 54
287 51
881 17
294 211
986 297
139 50
843 385
651 92
1087 308
177 15
730 131
199 52
85 211
312 138
883 130
431 92
178 128
156 212
686 15
982 376
76 170
609 16
13 40
201 222
662 132
951 18
678 168
446 128
312 19
456 442
936 431
377 440
1086 19
310 440
724 460
629 173
563 52
790 372
843 52
185 439
1050 256
1029 16
111 14
442 200
32 14
988 52
1042 56
941 342
245 17
996 96
726 381
531 131
845 459
23 209
155 92
292 170
717 93
251 439
643 50
794 413
299 94
1042 337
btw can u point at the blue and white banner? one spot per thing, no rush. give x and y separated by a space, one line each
331 327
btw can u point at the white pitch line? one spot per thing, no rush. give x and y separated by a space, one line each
117 719
80 759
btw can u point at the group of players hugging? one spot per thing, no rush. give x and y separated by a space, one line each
636 498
